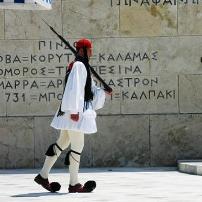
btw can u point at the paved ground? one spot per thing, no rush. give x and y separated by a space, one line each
116 185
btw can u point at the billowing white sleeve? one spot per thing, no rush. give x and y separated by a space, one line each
73 97
99 97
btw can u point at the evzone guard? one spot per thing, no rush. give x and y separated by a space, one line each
75 117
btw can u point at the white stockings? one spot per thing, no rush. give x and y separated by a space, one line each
76 139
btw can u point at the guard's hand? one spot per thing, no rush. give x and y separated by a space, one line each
74 117
108 93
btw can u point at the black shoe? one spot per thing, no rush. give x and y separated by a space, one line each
78 188
52 187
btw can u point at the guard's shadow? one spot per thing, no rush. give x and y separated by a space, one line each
29 195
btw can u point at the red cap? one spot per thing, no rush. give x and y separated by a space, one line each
83 43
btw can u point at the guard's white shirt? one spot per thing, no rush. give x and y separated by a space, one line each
73 103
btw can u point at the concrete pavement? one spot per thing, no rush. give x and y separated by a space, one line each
113 185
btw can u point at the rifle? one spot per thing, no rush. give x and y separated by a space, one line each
106 87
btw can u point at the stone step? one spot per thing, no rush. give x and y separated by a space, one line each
190 166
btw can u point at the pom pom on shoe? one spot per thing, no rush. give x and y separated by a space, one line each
90 185
55 186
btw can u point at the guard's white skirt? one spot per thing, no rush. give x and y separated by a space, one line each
85 124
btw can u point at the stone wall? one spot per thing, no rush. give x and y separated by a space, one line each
149 54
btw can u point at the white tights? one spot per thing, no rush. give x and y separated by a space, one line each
77 143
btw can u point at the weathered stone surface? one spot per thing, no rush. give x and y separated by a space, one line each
115 58
34 72
175 137
1 24
29 25
2 100
150 94
122 56
16 143
33 58
148 20
45 135
87 154
89 18
12 53
35 99
144 56
153 57
189 19
121 141
190 97
105 148
176 55
193 167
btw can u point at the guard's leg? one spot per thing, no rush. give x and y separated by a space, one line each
52 154
73 160
77 144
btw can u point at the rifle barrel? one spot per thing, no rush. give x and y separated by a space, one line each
106 87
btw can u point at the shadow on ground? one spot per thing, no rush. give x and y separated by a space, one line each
31 195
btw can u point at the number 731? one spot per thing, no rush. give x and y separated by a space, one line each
15 97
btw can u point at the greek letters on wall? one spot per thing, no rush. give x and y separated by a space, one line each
31 82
